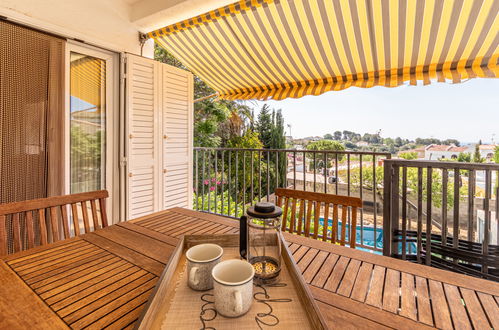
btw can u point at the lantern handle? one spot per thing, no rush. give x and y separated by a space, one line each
243 237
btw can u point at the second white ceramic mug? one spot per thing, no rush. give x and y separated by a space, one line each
233 287
201 260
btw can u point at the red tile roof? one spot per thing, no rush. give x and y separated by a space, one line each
437 147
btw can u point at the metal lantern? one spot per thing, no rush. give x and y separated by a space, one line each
260 241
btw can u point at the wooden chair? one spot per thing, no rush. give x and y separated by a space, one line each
26 224
310 202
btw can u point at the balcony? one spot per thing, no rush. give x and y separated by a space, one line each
403 203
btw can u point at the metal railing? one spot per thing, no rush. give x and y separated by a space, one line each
228 180
454 223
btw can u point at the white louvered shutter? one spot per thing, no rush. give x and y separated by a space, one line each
142 131
158 136
177 137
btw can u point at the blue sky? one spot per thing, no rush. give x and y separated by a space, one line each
468 111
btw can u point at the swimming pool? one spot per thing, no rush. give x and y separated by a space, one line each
370 237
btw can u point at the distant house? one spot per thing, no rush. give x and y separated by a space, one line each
487 151
437 151
362 144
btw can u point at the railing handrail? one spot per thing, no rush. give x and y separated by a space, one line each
443 165
345 152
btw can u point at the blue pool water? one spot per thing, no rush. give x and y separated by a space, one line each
370 237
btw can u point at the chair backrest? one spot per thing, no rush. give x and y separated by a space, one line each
26 224
303 204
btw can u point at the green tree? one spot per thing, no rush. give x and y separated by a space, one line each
348 135
451 141
496 155
324 145
388 141
409 155
464 157
350 145
278 141
328 136
337 135
477 158
264 126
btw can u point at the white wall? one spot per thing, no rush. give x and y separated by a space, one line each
104 23
111 24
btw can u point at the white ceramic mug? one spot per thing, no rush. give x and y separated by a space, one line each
233 287
201 260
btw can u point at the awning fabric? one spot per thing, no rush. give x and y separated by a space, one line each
88 76
262 49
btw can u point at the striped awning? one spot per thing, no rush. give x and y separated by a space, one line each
275 49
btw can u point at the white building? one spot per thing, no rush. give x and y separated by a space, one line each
436 152
487 151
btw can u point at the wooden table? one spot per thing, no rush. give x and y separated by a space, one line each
103 279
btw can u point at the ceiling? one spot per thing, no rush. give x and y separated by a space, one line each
149 15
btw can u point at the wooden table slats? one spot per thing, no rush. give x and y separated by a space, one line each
103 279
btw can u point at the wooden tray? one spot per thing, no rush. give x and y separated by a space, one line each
173 305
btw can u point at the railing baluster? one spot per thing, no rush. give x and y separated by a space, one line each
315 171
216 180
209 181
497 208
336 172
420 214
285 183
251 177
196 161
229 179
455 225
486 227
202 179
276 170
349 218
404 212
325 172
222 183
395 215
375 206
445 176
304 172
471 203
244 180
348 177
259 176
362 209
237 186
429 181
294 170
268 176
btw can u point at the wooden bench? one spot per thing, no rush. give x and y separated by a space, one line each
26 224
308 203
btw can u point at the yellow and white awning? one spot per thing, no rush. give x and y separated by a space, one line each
275 49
